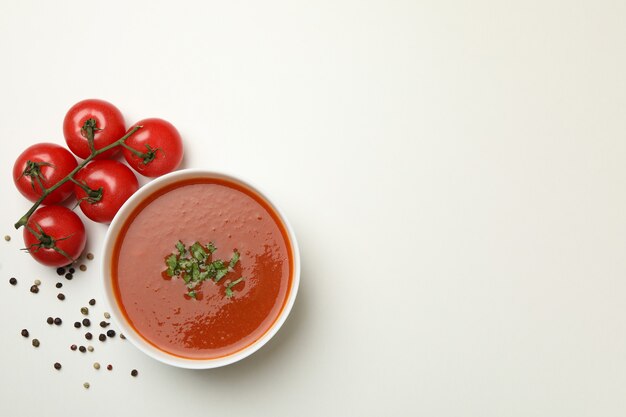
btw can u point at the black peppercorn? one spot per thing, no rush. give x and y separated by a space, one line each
111 333
92 302
13 281
104 324
86 322
110 367
71 270
24 332
102 337
60 271
57 366
73 347
59 284
34 289
36 342
77 324
88 336
134 372
58 321
83 349
69 276
61 296
49 320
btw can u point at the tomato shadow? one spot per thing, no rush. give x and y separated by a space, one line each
183 162
262 364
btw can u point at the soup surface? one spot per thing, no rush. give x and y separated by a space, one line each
212 324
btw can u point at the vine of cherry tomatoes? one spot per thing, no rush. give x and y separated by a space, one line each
48 174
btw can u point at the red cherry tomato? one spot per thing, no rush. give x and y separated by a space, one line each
111 182
43 164
54 236
158 148
109 127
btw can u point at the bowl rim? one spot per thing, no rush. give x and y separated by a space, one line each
117 317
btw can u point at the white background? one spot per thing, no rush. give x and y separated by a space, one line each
455 173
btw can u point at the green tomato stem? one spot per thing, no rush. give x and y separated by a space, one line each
138 154
92 195
88 131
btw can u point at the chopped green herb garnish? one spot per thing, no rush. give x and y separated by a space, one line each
181 248
194 264
229 291
219 270
221 273
219 264
198 252
172 265
234 259
195 271
211 247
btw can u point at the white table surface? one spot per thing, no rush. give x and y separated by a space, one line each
455 173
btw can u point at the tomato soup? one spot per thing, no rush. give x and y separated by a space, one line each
216 321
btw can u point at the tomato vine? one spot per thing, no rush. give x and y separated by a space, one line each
89 128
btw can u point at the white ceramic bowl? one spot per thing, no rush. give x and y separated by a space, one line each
116 313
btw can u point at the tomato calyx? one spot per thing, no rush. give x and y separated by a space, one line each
93 196
46 241
147 156
33 171
150 155
88 130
